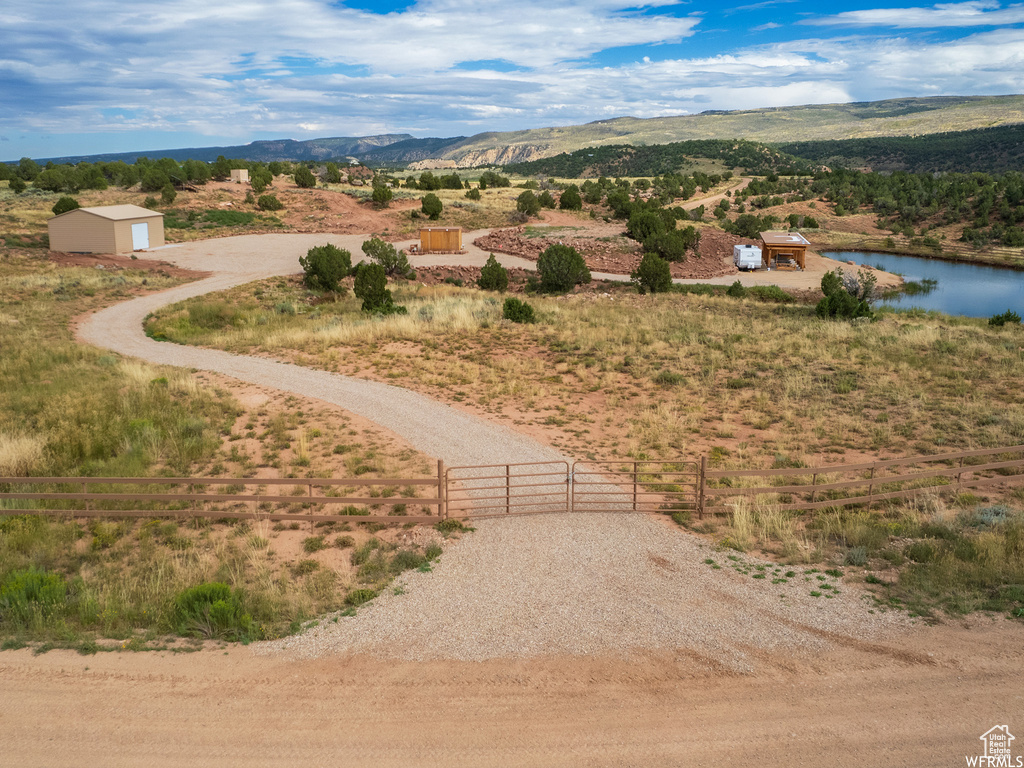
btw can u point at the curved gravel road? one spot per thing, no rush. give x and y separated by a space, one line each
429 426
579 584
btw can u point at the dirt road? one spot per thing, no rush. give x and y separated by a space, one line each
924 703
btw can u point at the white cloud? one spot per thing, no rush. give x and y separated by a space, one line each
303 68
970 14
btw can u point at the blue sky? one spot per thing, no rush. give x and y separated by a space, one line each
112 76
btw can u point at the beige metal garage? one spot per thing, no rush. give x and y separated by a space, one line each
106 229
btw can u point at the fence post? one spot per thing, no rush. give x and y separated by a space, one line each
814 482
871 486
442 491
960 476
508 488
701 479
636 467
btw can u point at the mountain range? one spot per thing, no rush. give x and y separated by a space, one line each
819 122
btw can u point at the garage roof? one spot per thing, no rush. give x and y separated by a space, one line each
118 212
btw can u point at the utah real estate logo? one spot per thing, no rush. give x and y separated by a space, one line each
998 750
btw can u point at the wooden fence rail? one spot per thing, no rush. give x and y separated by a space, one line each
501 489
874 480
189 497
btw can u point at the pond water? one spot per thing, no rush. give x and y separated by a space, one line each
972 290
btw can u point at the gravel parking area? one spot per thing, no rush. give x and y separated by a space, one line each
591 584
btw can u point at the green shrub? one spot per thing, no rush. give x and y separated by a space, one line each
212 610
17 185
653 274
669 378
384 253
432 206
304 178
451 525
473 194
359 596
770 293
406 560
493 276
324 266
226 218
527 203
921 552
313 544
736 290
269 203
857 556
673 244
332 175
644 224
168 193
372 287
1009 316
517 311
561 268
381 195
64 205
23 592
844 299
362 553
570 199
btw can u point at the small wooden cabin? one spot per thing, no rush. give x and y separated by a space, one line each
783 249
106 229
441 240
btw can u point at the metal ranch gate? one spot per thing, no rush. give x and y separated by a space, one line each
582 486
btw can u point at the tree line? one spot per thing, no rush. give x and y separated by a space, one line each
660 159
990 150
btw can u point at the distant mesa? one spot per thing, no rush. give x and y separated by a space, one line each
775 125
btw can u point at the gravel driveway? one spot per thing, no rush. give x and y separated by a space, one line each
544 584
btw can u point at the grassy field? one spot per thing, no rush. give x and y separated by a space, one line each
602 375
73 410
626 375
750 384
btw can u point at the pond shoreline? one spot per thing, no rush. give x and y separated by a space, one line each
957 287
982 259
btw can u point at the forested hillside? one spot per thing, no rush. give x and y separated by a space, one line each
990 150
659 159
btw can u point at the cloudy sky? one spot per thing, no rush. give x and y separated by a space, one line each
110 75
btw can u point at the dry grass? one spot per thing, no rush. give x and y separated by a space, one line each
19 454
67 409
661 376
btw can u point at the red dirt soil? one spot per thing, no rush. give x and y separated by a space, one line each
922 701
618 256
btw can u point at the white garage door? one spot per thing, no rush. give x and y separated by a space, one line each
140 236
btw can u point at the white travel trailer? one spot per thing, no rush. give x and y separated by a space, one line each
746 256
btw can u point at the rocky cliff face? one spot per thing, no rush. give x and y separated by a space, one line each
512 153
